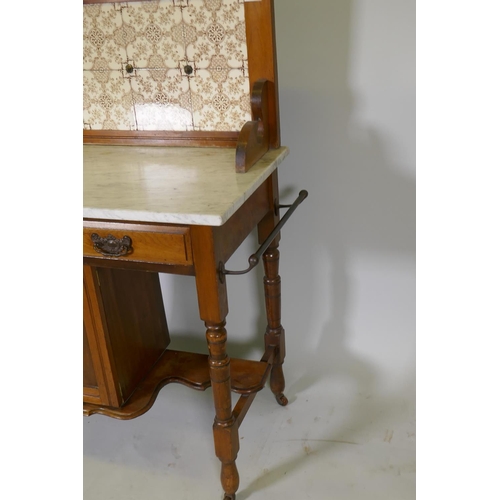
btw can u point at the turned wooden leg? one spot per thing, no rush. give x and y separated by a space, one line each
225 428
275 334
212 302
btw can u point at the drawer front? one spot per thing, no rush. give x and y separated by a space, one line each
138 243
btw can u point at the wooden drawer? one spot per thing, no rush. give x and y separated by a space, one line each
157 244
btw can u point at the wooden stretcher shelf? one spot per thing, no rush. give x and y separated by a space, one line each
189 369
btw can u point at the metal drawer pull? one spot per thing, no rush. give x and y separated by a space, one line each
253 260
111 246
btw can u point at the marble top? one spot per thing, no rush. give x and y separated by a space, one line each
169 184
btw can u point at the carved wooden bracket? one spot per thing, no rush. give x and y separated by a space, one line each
253 141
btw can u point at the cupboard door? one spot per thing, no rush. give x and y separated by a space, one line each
125 332
99 385
89 376
135 322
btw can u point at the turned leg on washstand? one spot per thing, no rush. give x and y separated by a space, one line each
212 302
225 428
275 334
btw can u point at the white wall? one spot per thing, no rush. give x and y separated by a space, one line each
347 92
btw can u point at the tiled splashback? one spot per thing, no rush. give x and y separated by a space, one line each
177 65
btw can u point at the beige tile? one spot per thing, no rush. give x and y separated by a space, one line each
203 89
162 100
102 24
153 23
220 31
107 101
225 106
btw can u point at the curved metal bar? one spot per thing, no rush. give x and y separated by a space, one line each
254 259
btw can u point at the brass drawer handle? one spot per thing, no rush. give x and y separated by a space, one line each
110 246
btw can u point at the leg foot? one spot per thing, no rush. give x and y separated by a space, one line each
281 399
278 384
230 480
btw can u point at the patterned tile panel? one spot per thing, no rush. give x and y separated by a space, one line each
160 102
101 23
107 101
166 65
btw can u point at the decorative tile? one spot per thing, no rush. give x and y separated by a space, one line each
162 101
153 23
107 101
224 107
101 22
220 31
166 65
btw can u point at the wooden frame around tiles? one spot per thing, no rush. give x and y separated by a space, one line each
261 46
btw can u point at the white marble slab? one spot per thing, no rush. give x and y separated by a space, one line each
168 184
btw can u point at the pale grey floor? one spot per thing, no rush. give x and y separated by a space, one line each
327 444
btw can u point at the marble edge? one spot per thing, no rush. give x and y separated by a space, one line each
154 217
193 219
258 182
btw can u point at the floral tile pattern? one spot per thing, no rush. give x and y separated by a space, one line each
107 101
159 100
101 24
165 65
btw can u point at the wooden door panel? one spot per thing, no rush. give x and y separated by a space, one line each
89 377
125 332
